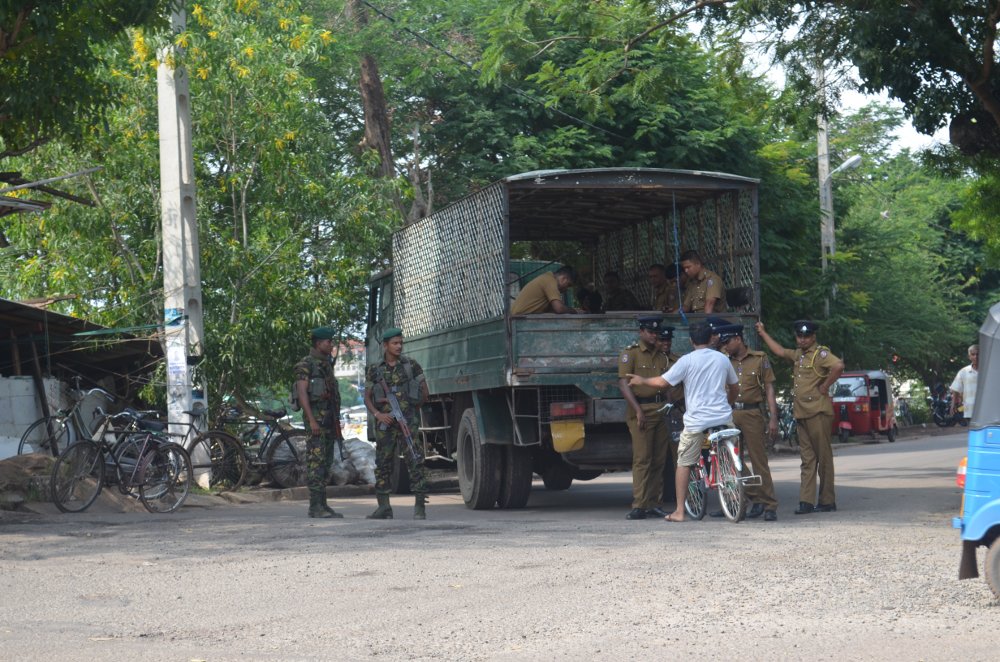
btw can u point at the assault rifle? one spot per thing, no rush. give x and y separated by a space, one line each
397 414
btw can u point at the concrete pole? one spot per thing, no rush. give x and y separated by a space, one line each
826 235
183 323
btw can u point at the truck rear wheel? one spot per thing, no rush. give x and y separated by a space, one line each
515 478
399 479
478 465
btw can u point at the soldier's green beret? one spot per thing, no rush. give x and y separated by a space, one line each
391 333
322 333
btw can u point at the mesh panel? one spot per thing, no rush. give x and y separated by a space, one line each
448 268
726 222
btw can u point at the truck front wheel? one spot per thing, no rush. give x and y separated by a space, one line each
478 465
558 476
992 567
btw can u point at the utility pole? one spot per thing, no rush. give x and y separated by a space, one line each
826 236
182 309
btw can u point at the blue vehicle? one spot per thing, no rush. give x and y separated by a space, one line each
979 518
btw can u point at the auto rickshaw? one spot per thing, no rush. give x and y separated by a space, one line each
863 404
979 475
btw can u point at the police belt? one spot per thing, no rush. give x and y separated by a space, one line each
651 399
747 405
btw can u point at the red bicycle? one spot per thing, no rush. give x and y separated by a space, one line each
720 467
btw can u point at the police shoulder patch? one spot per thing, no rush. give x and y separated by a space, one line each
625 357
710 281
823 354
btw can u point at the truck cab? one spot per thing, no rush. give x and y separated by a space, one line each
517 395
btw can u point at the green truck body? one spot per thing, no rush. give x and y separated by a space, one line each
493 377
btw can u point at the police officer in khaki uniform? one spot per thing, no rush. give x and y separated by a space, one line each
816 370
704 291
675 394
646 425
755 392
663 283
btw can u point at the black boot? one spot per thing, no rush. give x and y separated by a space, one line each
804 508
316 505
419 511
384 510
327 508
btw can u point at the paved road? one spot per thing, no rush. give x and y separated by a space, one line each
567 578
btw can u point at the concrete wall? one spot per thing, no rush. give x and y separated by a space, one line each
19 408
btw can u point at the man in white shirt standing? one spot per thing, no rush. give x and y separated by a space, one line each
963 389
710 386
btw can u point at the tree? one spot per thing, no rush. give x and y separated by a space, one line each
938 57
288 236
50 82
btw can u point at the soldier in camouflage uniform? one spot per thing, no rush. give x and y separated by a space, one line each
319 396
405 379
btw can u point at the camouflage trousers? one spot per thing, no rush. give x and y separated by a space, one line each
388 445
319 456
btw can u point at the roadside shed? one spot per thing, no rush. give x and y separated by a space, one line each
41 354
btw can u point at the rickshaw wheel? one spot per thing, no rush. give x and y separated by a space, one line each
845 434
992 567
891 434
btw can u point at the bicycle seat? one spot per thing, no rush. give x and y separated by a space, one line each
275 413
716 434
151 426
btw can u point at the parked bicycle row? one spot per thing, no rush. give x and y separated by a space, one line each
241 447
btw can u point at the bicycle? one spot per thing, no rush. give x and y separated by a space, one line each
145 464
786 424
719 467
56 432
277 451
214 453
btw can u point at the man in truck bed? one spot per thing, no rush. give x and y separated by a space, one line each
544 294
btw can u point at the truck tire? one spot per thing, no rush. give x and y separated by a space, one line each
478 465
515 478
992 567
558 476
399 479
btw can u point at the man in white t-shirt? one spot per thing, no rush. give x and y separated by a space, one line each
710 385
963 389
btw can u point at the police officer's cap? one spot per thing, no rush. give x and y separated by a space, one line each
391 333
716 323
730 331
666 333
323 333
805 327
650 322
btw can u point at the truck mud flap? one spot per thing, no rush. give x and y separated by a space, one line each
567 436
968 568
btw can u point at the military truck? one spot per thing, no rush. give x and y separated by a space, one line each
514 396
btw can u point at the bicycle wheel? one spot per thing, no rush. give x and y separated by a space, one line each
286 458
77 477
731 491
696 502
38 438
164 477
221 456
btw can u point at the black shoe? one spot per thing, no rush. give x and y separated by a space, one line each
770 516
804 508
755 511
656 512
826 508
636 513
716 513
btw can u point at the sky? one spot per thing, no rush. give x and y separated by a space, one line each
906 137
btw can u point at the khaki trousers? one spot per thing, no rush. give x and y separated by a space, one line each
817 458
753 426
650 448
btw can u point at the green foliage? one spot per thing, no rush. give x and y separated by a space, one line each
287 238
51 54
